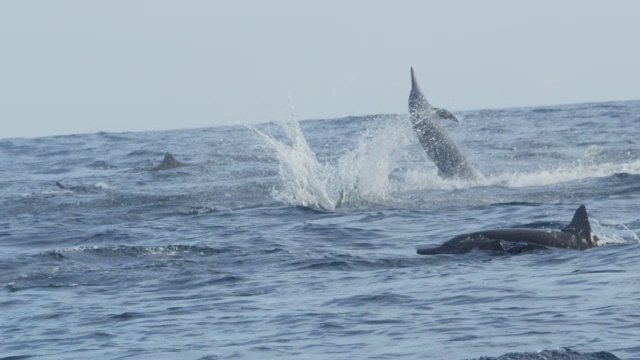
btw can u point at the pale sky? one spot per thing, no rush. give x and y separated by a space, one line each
130 65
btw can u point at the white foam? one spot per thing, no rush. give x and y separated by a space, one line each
578 171
303 178
101 185
419 179
612 233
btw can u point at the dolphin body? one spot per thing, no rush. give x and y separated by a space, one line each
75 189
440 148
577 235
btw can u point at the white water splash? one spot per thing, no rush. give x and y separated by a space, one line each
609 232
304 180
101 185
360 175
363 173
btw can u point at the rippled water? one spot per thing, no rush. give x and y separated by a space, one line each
298 240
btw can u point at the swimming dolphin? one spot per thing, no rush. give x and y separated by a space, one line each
440 148
169 162
80 189
59 184
577 235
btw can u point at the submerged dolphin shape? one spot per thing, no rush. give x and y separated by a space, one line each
80 189
577 235
440 148
169 162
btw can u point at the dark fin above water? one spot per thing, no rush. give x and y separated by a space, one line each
580 223
169 162
59 184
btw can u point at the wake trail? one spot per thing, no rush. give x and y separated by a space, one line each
425 179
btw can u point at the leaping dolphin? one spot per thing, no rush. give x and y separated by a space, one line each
577 235
440 148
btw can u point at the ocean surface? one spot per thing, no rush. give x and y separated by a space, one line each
297 240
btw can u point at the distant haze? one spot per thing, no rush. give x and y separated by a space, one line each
87 66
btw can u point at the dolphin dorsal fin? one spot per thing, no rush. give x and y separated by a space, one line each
169 162
168 158
580 223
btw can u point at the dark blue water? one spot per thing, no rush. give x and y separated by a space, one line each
298 241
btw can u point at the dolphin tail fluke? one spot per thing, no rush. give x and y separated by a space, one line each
580 223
